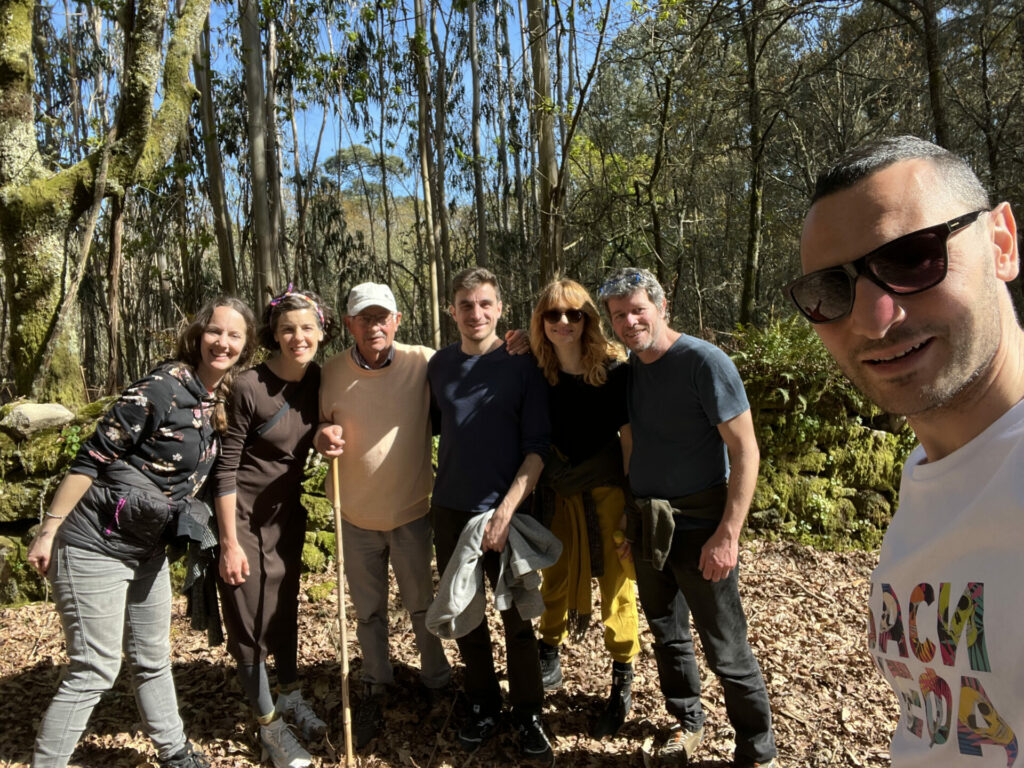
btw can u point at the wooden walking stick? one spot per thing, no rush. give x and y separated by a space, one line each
346 710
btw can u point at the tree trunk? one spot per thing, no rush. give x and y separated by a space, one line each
423 143
39 206
546 175
263 246
278 247
440 140
214 167
482 252
934 63
755 202
114 297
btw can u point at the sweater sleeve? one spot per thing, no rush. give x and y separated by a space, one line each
233 440
535 425
134 416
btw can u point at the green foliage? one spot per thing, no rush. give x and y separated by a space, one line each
318 592
830 460
71 440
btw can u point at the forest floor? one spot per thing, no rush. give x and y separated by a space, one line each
807 616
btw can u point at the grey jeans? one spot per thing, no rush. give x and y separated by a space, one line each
410 548
106 605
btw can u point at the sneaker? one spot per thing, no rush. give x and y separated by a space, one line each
478 727
297 711
533 742
680 746
186 758
369 716
620 701
281 746
550 666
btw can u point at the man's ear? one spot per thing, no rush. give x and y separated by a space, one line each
398 319
451 310
1004 241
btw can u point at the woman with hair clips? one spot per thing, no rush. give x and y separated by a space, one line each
102 539
581 491
262 523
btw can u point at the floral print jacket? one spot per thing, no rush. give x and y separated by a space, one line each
160 426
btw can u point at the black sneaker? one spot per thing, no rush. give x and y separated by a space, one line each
478 727
369 716
186 758
533 742
550 666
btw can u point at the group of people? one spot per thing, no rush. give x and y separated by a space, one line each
578 461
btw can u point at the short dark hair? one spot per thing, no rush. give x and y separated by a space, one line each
474 277
292 300
877 155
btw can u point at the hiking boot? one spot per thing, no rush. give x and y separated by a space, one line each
281 746
478 727
550 666
369 716
620 701
434 705
186 758
297 711
680 746
533 742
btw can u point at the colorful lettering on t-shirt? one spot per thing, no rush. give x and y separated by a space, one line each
928 699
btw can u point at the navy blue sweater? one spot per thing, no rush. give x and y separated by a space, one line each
493 412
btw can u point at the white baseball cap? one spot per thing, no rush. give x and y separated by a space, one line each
370 295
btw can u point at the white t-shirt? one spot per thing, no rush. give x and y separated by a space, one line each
946 612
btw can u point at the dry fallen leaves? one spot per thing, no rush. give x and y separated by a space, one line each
806 611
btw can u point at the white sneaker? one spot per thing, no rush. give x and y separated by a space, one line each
298 712
281 746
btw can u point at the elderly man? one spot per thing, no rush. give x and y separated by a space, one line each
495 432
906 266
374 397
689 417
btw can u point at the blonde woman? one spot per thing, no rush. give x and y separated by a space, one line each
581 491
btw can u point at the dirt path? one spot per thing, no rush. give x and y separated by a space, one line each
807 624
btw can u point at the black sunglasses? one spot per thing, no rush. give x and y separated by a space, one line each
554 315
909 264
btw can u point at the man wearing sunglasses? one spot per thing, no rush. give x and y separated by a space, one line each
906 266
692 469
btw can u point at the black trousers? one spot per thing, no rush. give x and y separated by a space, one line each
526 691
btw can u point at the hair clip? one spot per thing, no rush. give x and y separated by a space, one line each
292 292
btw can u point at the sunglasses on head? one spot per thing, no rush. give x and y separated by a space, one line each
555 315
909 264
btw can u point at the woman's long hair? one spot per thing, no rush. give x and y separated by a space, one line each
189 350
597 350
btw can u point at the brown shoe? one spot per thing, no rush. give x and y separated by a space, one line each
680 746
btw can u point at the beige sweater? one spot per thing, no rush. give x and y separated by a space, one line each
384 414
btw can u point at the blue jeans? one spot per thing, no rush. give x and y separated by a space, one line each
409 548
106 605
669 597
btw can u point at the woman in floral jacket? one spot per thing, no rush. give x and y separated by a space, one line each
102 539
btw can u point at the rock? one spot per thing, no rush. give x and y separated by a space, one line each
26 418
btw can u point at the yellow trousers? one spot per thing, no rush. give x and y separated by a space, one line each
566 584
